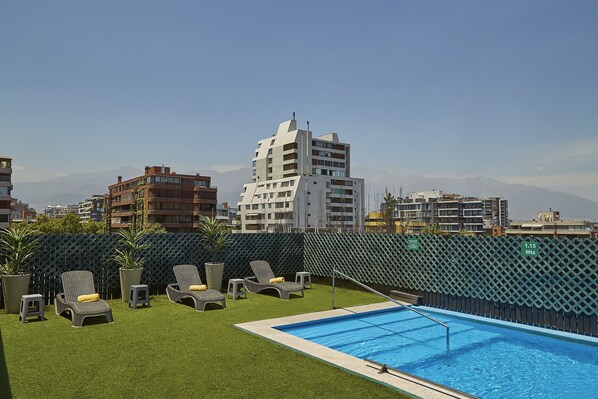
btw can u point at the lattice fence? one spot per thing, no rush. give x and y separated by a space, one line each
59 253
564 277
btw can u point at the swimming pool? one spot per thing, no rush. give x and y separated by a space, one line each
485 359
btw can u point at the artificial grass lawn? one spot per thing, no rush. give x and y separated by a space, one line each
170 350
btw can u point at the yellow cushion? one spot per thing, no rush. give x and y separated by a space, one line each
88 298
277 280
198 287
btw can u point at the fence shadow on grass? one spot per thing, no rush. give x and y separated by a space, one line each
4 383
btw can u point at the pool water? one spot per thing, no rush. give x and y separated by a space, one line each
485 360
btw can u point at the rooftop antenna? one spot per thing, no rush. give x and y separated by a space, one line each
293 115
307 126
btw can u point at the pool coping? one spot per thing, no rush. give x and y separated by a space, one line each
403 382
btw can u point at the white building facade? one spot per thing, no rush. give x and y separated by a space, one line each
301 183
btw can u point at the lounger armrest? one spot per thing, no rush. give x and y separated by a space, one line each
253 285
60 303
173 286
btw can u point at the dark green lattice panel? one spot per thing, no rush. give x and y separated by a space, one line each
564 277
59 253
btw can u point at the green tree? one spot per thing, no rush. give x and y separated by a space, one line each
432 229
156 228
387 209
92 227
68 224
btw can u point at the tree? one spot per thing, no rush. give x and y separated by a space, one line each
92 227
387 209
432 229
68 224
156 228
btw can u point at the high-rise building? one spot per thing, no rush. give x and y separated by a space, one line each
5 191
174 201
301 183
92 209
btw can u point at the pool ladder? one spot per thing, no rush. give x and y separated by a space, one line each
335 272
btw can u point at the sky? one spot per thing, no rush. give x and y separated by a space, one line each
502 89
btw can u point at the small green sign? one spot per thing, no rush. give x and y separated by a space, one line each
413 244
530 248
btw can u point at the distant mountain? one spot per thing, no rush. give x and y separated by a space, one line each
69 189
524 201
74 188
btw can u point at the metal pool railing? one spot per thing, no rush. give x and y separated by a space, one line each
335 272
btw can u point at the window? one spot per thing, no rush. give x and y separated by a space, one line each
270 151
269 170
269 161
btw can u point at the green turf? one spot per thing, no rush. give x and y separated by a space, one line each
171 351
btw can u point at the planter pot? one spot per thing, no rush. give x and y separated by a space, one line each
13 288
128 277
214 273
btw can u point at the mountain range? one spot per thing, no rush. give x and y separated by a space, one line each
525 201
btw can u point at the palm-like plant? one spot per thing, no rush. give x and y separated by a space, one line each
216 236
128 257
17 246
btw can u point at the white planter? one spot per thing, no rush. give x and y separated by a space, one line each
214 273
13 287
128 277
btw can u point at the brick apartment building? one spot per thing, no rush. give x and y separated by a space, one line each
160 196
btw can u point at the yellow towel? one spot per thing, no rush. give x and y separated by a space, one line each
88 298
198 287
277 280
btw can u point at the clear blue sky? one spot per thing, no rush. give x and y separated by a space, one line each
504 89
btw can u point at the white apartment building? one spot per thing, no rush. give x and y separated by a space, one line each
452 212
301 183
5 191
92 209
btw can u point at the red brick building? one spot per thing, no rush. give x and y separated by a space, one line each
160 196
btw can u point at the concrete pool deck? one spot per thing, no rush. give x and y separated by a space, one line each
405 383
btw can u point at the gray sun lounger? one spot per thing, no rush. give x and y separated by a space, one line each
187 275
75 283
261 281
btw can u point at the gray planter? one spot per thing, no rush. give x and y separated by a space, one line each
13 288
128 277
214 273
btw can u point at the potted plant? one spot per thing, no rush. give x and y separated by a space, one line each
17 247
129 259
216 238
